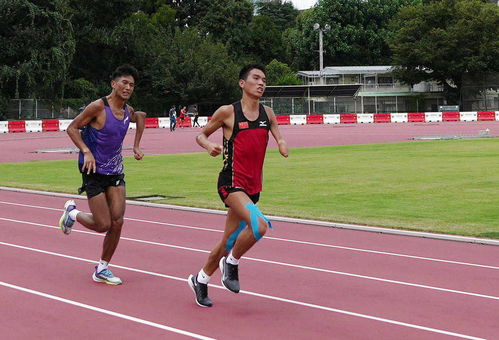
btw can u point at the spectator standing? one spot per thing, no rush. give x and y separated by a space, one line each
182 115
173 118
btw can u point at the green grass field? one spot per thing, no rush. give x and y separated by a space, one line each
439 186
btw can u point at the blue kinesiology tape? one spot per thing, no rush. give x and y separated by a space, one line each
233 237
254 214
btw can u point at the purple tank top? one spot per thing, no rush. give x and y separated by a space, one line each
106 143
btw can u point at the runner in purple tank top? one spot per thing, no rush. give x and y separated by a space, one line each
104 124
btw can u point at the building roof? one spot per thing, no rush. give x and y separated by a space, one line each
312 91
337 70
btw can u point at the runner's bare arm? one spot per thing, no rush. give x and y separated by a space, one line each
274 128
219 119
89 114
138 117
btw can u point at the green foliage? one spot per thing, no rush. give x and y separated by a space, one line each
357 36
446 41
37 48
281 74
203 70
283 14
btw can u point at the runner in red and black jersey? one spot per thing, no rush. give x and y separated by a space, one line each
246 125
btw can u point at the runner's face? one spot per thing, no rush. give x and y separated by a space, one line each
255 83
123 86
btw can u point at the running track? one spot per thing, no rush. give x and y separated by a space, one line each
300 282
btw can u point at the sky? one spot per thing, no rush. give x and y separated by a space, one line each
303 4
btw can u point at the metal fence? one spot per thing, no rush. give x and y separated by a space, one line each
26 109
358 104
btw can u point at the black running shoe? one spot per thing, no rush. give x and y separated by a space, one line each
200 290
230 275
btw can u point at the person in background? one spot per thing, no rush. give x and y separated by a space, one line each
173 118
181 116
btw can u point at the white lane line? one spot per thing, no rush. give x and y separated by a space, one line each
337 225
365 277
265 296
105 311
289 240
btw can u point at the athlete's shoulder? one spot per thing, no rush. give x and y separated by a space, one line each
224 111
268 110
94 107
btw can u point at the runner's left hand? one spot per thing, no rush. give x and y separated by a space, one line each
137 153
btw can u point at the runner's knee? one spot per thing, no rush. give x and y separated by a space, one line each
258 222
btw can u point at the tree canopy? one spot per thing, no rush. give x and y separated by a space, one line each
189 51
446 41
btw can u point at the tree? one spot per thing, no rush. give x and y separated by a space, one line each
202 70
446 41
37 48
281 74
283 14
357 34
263 42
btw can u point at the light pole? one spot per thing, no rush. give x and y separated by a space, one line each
318 27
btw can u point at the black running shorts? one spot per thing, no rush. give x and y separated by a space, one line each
95 183
224 192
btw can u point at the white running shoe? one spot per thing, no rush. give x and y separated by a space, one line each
66 222
106 276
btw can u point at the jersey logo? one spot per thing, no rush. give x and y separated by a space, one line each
243 125
124 122
263 123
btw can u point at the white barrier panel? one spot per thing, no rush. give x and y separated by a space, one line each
331 119
33 125
399 117
298 119
497 115
132 126
468 116
433 116
202 121
164 122
63 124
365 118
4 127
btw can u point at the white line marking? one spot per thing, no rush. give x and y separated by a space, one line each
288 240
402 283
337 225
105 311
265 296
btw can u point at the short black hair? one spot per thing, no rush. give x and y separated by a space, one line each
243 74
125 70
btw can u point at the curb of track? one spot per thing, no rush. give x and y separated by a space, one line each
381 230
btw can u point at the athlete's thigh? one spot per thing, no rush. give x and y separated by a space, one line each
99 208
237 202
115 196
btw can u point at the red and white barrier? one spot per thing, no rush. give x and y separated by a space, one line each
33 126
347 118
331 119
430 117
365 118
468 116
63 124
298 119
398 117
164 122
4 127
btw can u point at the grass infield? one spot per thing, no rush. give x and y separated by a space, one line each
435 186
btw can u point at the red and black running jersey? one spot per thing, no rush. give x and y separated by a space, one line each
244 152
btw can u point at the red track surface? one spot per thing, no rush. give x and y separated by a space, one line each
300 282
